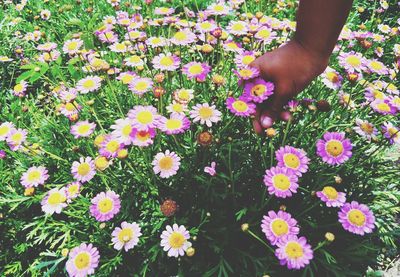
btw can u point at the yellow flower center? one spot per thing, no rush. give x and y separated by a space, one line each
176 240
166 163
184 95
291 160
332 76
82 260
127 78
353 61
219 8
126 131
281 181
258 90
195 69
109 35
367 128
245 73
376 65
279 227
334 148
18 88
125 235
330 192
180 36
83 129
120 46
240 106
83 169
205 112
264 33
112 146
87 84
143 135
72 45
248 59
166 61
237 27
69 107
294 250
156 40
73 190
141 85
356 217
56 198
105 205
177 108
173 124
145 117
134 59
16 138
4 130
383 107
34 176
205 25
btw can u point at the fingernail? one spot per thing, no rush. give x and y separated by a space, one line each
266 121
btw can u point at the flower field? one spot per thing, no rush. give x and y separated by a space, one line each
127 146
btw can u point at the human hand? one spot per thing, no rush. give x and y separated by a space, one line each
291 68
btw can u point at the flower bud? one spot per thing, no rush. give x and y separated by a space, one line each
169 207
329 236
190 252
245 227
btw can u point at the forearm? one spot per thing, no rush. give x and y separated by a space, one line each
319 23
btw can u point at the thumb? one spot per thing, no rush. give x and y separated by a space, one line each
272 109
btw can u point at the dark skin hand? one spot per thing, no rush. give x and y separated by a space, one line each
293 66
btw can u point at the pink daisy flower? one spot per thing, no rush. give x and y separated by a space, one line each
258 90
294 252
206 114
383 107
110 146
334 148
107 36
19 89
140 85
166 164
237 28
276 226
293 158
167 62
127 236
377 67
219 8
127 77
281 181
49 56
331 78
34 176
143 138
265 34
332 197
83 129
352 61
48 46
391 132
73 190
54 201
84 170
176 124
247 73
70 109
5 130
82 260
88 84
16 138
122 130
211 169
206 26
156 42
196 70
164 11
105 206
144 117
245 58
174 240
68 95
365 129
183 37
72 46
240 106
356 218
